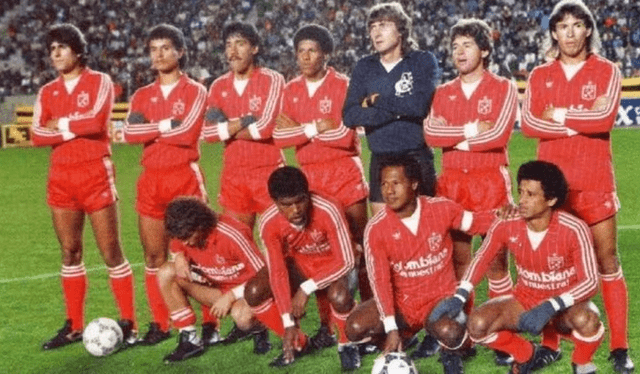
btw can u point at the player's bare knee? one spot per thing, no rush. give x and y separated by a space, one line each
340 299
478 325
355 329
448 332
586 322
608 264
72 253
166 273
256 292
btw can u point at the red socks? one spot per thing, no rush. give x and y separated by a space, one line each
585 348
182 318
268 314
500 287
616 305
74 287
121 281
506 341
159 309
340 319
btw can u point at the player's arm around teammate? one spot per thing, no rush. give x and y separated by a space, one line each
71 115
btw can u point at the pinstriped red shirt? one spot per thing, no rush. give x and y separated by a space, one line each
585 158
88 108
494 100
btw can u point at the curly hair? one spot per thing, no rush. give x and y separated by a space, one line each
554 185
166 31
66 33
479 31
186 215
393 12
287 181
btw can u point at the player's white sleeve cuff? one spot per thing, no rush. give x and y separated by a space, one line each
466 285
287 321
164 125
63 124
571 132
223 130
467 220
567 299
253 130
310 130
309 286
68 135
559 114
389 323
238 292
462 146
471 129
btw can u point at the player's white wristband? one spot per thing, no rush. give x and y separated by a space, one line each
63 124
389 323
467 220
223 130
287 321
462 146
309 286
164 125
562 302
238 292
571 132
253 130
68 135
559 114
310 130
471 129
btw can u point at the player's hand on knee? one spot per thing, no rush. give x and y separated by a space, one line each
222 306
450 307
393 343
534 320
299 303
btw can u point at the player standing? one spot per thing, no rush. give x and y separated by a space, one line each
212 259
409 254
72 115
389 95
241 109
309 250
557 274
166 117
327 151
471 119
570 105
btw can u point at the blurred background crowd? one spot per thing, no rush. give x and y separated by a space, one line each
115 31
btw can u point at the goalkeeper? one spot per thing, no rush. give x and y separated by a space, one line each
557 274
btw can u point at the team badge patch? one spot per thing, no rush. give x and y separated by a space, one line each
219 259
178 108
254 103
325 105
589 91
83 99
404 86
435 241
555 262
484 105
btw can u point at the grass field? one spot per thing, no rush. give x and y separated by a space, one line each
32 309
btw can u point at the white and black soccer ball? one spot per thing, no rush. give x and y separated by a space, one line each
394 363
102 336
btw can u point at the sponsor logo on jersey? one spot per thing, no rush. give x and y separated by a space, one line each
551 280
589 91
83 99
219 273
404 86
325 105
424 265
484 105
178 108
254 103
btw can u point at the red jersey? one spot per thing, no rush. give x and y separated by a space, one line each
495 100
321 250
403 266
326 102
230 257
262 98
563 263
176 146
585 158
88 110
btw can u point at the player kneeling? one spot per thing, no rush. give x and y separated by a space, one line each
557 274
212 258
409 255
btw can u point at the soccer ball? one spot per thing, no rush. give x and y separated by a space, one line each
394 363
102 336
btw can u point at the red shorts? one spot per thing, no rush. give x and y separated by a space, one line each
87 187
244 190
412 316
343 180
476 190
592 206
157 187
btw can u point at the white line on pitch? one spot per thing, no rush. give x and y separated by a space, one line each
55 275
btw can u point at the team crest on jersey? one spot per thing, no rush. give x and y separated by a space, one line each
178 108
325 105
589 91
219 259
435 241
254 103
404 86
83 99
555 262
484 105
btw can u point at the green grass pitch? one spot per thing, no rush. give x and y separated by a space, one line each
32 309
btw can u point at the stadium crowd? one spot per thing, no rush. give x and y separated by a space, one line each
115 30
